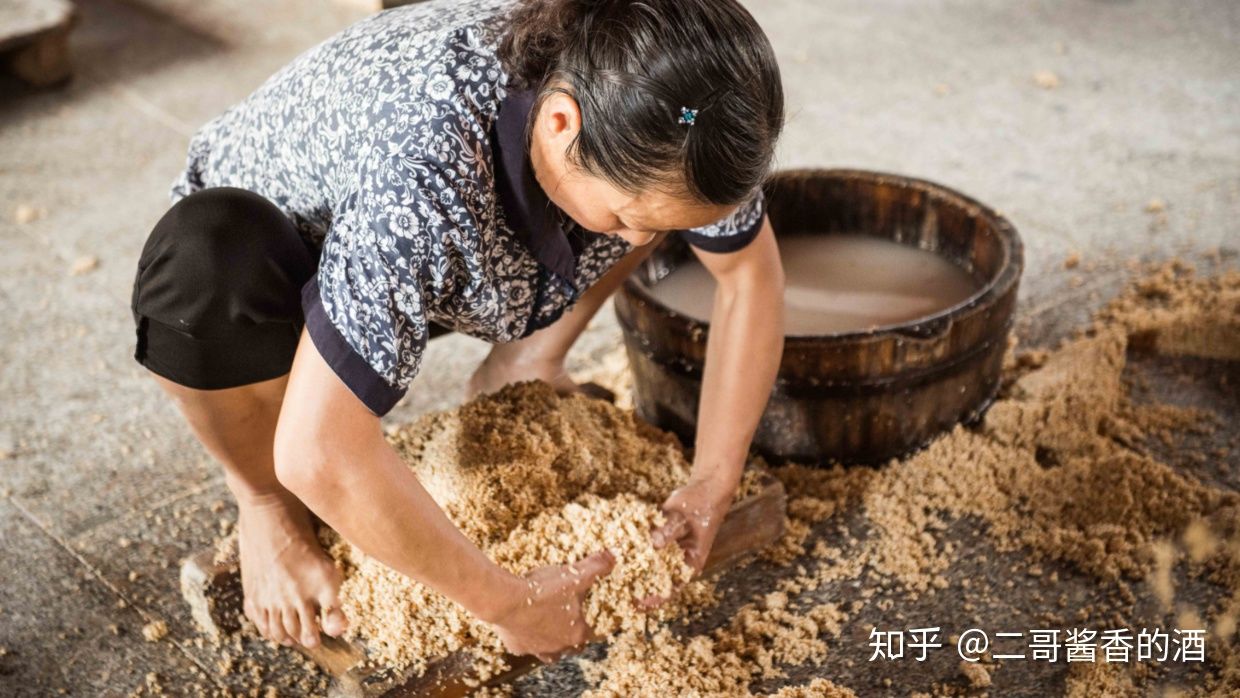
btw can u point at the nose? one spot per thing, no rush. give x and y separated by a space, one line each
636 238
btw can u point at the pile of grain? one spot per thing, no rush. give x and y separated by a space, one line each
591 523
763 637
534 479
498 461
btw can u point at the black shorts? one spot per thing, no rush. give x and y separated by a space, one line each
217 297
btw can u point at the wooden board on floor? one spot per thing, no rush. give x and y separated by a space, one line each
34 39
213 590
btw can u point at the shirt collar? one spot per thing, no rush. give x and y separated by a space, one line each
530 214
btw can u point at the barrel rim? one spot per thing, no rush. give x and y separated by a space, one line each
1001 283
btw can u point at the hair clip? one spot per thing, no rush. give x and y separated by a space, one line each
688 116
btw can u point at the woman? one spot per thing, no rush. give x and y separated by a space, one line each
497 169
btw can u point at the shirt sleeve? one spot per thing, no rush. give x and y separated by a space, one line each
732 233
365 307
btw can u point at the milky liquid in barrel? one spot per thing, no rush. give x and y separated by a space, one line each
838 283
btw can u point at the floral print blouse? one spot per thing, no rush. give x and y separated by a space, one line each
398 151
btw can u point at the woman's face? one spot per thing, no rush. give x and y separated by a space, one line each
594 203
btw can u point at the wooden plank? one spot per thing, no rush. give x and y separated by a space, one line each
213 590
389 4
34 39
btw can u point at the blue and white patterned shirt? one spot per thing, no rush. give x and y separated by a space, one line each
398 151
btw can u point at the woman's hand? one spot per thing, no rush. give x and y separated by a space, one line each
694 513
546 617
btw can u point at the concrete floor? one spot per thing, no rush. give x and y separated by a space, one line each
104 489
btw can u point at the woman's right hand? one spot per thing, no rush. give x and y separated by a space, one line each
546 619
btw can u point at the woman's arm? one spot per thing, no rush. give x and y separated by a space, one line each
542 353
331 453
743 353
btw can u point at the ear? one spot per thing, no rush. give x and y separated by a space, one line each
560 118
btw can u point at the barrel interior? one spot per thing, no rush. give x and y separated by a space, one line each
807 203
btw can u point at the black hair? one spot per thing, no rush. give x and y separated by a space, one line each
631 65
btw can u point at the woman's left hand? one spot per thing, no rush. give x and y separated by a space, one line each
694 513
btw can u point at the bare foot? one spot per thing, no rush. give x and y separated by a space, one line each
491 375
287 578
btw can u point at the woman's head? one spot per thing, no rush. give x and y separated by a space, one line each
613 77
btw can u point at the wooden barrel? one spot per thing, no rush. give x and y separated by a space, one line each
860 397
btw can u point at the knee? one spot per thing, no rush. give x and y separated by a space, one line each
221 261
222 238
303 468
